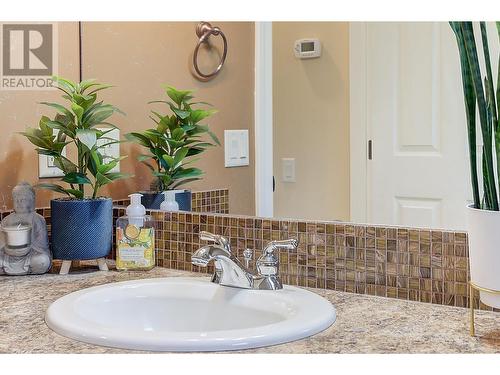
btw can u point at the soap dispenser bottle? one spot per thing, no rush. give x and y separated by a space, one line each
135 239
169 204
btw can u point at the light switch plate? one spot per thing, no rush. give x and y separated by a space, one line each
46 167
288 169
110 151
236 148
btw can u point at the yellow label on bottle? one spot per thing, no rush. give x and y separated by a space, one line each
135 248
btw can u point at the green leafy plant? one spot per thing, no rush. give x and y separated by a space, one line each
81 124
175 140
480 94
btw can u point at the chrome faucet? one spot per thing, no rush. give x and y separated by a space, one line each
229 271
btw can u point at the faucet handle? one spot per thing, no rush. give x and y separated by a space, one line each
268 262
217 238
290 244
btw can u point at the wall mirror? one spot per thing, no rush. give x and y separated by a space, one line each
349 121
374 129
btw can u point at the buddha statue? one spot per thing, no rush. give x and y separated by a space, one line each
24 245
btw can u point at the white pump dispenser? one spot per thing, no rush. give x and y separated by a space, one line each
136 211
169 204
135 237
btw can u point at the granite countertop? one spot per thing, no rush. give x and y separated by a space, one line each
365 324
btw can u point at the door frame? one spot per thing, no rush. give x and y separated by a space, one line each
263 113
359 130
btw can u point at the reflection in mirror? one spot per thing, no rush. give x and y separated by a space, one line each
138 59
373 130
150 55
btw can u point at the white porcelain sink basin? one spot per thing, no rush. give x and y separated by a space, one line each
187 314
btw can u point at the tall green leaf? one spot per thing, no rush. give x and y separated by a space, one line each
470 110
490 91
486 128
498 83
492 118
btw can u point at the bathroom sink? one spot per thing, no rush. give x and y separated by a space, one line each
188 314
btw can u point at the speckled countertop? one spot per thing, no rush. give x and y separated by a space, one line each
365 324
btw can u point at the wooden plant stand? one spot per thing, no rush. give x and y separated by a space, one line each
66 265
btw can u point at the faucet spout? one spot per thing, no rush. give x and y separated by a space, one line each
205 254
229 270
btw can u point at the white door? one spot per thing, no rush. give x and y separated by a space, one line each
418 174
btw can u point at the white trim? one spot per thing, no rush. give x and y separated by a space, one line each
358 123
263 119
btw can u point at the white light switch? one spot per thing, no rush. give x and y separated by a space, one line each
236 148
288 169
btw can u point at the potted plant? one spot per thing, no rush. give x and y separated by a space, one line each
483 214
172 144
81 224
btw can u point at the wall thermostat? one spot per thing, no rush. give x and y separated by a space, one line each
307 48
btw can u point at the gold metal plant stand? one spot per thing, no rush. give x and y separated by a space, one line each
473 287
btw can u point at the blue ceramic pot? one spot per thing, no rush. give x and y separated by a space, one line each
153 200
81 229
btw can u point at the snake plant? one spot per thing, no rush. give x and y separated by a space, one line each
480 95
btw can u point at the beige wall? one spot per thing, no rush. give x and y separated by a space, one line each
19 109
138 58
311 121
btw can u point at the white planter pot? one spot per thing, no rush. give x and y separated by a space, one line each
484 252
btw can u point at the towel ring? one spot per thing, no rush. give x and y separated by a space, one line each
203 31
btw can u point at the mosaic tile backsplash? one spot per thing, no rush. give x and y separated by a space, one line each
216 201
407 263
412 264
